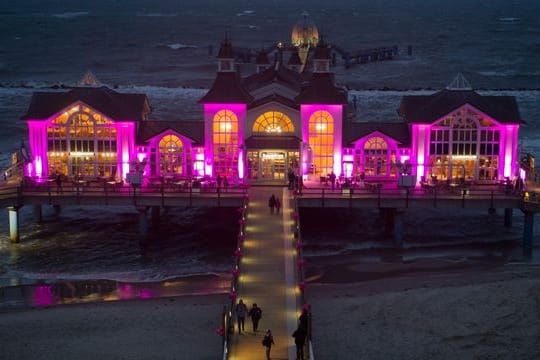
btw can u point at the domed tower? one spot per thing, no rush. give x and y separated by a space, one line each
305 33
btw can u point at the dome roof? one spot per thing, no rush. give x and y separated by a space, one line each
305 32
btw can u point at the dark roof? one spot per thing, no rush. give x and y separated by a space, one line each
277 73
191 129
429 108
322 90
274 97
352 131
225 50
117 106
227 88
295 58
272 142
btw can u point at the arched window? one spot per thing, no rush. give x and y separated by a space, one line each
462 144
273 122
225 126
376 156
171 155
82 141
321 140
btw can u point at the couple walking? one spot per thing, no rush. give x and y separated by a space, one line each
274 203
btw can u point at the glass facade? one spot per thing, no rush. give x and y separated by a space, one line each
171 156
321 140
82 142
464 145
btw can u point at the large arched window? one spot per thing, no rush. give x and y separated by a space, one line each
462 144
321 140
273 122
82 141
376 156
225 127
171 155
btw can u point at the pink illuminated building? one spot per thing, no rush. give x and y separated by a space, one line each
280 118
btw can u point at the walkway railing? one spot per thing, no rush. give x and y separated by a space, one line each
227 324
301 275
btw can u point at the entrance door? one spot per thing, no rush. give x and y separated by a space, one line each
273 166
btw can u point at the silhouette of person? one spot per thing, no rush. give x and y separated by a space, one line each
241 312
256 314
268 341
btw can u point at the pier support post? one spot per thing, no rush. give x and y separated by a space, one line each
14 223
508 217
143 220
528 230
398 227
155 216
57 209
38 214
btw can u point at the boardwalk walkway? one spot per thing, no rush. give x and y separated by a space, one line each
268 277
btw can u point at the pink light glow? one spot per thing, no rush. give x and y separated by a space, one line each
348 158
404 158
43 295
141 156
241 164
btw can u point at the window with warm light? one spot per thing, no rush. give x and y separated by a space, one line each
321 141
81 141
225 129
376 156
465 144
171 155
273 122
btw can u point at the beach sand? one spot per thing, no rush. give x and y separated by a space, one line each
420 310
426 310
166 328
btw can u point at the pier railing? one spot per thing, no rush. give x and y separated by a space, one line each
376 195
227 323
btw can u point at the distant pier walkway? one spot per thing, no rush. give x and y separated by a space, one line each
267 278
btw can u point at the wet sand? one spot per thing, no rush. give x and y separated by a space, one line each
426 309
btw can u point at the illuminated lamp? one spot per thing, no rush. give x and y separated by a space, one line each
235 273
241 237
237 253
232 295
242 221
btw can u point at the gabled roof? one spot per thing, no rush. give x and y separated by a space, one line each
274 97
429 108
227 88
190 129
352 131
117 106
274 74
322 90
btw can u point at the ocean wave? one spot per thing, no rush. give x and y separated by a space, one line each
178 46
70 14
156 14
246 13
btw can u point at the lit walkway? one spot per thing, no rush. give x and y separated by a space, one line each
267 277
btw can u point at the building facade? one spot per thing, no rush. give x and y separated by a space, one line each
282 118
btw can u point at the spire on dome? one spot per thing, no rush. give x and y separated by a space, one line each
89 80
459 83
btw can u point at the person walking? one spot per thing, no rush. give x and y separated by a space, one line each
256 314
241 312
267 342
278 205
272 203
299 336
333 180
58 180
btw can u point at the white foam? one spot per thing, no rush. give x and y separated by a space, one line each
179 46
70 14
